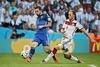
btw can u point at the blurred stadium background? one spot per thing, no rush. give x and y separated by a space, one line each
19 15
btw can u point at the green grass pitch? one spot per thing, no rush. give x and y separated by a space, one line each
15 60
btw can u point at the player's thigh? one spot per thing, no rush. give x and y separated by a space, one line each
67 45
45 40
66 52
67 49
36 41
59 46
63 43
66 41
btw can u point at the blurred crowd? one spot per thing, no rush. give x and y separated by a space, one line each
20 14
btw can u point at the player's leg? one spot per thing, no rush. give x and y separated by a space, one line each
71 57
49 54
52 54
54 51
47 50
32 51
34 44
45 43
67 52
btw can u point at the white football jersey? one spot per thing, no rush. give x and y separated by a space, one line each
70 28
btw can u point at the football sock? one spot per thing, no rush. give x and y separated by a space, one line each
49 53
73 58
32 51
49 56
54 51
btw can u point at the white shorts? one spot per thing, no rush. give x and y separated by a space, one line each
66 45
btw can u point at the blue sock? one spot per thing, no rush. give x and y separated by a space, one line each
32 51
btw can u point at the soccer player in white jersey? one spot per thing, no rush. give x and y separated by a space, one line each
68 30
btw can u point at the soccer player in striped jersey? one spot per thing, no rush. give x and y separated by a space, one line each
68 31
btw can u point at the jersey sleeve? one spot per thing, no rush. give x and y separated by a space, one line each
79 26
64 26
48 19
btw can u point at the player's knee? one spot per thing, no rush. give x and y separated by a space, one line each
34 44
67 56
57 47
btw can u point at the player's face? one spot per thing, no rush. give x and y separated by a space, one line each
38 12
70 15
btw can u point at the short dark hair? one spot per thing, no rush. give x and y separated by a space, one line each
38 8
14 30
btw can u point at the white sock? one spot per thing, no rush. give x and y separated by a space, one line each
73 58
49 56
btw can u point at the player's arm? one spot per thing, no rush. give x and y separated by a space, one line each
79 26
47 25
48 19
83 30
63 28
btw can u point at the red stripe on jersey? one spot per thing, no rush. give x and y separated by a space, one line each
70 23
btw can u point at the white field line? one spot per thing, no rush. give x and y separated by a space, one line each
92 65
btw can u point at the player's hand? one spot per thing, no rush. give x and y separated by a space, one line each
39 27
62 30
93 41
